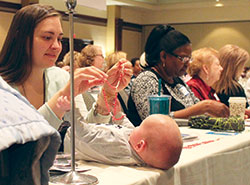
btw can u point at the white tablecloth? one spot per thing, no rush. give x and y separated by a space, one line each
210 159
215 158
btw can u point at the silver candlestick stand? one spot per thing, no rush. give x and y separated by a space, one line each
73 177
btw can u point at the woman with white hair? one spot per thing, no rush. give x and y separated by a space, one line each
205 70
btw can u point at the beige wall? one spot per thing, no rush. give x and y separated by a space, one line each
194 15
60 5
236 31
87 31
6 19
131 43
132 15
83 31
215 34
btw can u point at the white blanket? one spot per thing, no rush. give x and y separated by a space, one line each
20 123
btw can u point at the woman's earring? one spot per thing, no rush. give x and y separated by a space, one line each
163 64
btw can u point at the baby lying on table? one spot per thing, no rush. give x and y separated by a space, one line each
156 142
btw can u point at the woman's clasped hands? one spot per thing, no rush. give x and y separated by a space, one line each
116 79
118 76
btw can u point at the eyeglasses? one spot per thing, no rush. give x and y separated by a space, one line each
101 55
183 59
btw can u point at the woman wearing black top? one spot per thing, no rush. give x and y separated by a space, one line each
232 59
168 53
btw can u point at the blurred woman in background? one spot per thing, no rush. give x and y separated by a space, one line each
65 64
91 55
113 58
205 70
232 59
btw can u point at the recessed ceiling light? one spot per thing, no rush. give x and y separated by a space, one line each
219 5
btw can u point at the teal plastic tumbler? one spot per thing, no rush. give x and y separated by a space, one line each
159 104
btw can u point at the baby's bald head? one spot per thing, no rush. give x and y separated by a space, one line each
162 139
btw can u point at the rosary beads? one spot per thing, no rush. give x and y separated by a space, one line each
116 99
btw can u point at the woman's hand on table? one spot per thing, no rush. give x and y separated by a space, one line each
247 113
215 108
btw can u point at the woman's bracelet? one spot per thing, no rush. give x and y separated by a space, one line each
171 114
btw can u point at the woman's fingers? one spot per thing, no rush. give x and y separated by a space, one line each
90 75
85 78
91 71
122 66
63 103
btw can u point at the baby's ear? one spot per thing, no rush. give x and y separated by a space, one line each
140 146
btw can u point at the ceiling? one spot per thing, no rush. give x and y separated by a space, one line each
168 4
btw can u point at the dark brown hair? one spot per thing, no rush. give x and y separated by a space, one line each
163 37
16 53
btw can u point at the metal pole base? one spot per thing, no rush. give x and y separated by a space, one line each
74 178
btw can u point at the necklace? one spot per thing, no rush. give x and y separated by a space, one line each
24 91
116 99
